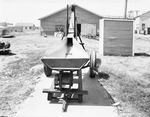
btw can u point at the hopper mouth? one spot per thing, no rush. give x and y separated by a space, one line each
65 63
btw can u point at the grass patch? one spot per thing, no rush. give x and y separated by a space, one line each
18 81
132 91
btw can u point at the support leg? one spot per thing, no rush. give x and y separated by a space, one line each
49 96
64 107
80 96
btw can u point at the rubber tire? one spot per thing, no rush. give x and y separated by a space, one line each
92 64
49 96
7 52
80 98
7 45
47 71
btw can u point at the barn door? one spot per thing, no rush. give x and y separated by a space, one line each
148 30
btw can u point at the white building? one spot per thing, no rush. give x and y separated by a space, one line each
142 23
26 26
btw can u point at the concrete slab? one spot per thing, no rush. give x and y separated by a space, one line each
97 103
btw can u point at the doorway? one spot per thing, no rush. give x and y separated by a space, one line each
78 29
148 30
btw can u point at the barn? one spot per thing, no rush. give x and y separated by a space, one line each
87 22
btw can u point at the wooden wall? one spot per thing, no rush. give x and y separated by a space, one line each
86 17
83 17
116 37
48 24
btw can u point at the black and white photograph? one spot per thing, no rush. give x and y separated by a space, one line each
74 58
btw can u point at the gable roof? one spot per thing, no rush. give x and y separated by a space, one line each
144 16
90 11
66 9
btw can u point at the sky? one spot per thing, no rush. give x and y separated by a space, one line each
29 11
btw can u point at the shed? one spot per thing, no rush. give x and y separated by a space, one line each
26 26
56 22
116 37
15 29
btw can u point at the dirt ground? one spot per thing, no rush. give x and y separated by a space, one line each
21 69
125 78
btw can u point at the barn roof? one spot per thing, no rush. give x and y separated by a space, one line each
65 9
144 16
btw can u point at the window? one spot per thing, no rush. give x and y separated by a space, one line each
143 26
59 28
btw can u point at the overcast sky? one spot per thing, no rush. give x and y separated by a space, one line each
14 11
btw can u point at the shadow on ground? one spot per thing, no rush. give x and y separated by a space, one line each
103 75
7 54
141 54
97 94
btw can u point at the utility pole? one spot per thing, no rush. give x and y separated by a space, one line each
125 12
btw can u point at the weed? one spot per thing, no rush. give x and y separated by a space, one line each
131 88
18 81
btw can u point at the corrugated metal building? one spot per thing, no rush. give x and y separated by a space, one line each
87 22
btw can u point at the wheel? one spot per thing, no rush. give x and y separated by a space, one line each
2 44
92 64
49 96
80 98
6 52
7 45
92 74
47 71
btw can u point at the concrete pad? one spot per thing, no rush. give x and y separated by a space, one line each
97 103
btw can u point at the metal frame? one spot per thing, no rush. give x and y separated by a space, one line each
66 66
67 93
